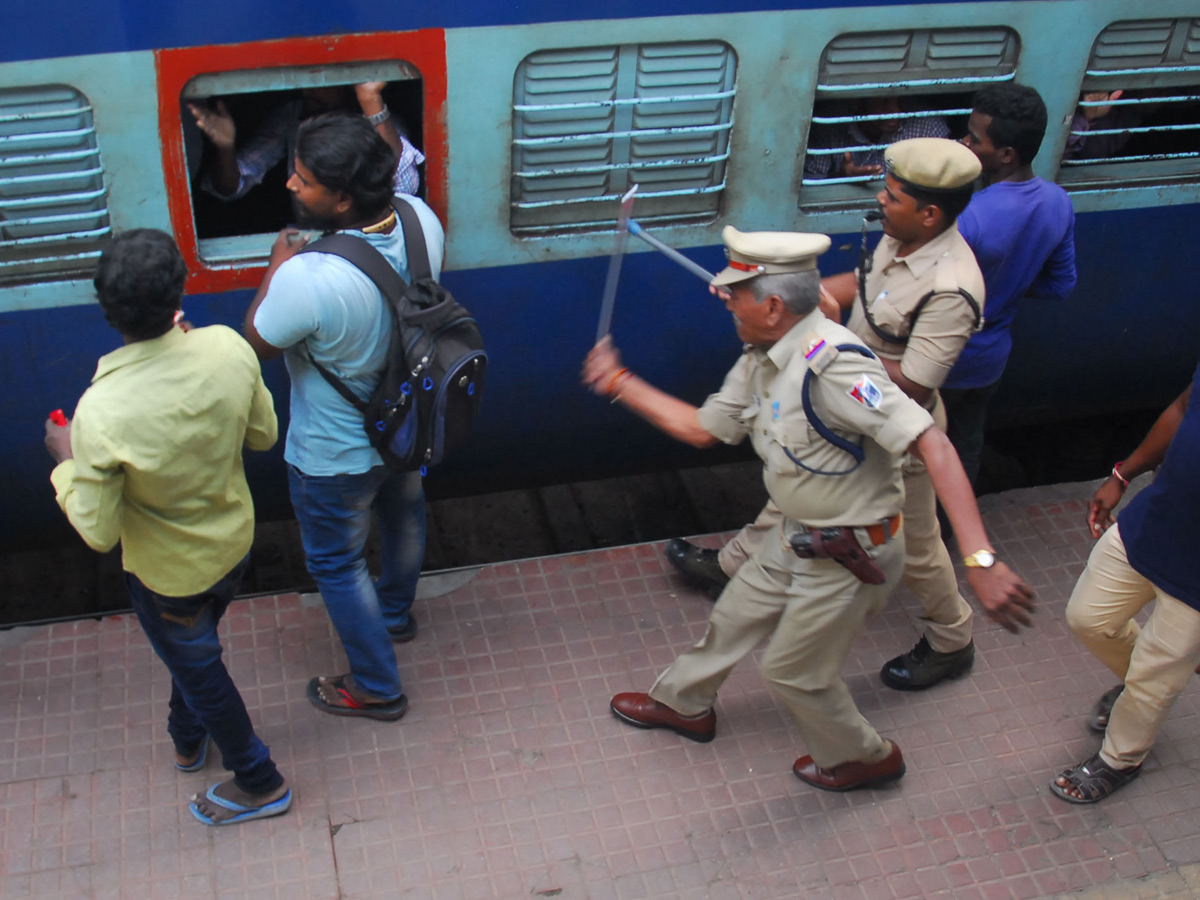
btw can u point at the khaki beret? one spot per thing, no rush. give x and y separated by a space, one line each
934 164
753 253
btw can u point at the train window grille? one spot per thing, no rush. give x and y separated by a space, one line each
53 201
1149 133
234 231
589 123
877 87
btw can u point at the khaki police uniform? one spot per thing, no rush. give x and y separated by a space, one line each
894 287
812 609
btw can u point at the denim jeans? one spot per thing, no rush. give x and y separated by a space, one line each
334 512
204 700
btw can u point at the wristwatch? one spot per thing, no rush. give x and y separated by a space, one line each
981 559
380 117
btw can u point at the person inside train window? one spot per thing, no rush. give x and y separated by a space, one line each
153 459
1097 130
885 121
235 166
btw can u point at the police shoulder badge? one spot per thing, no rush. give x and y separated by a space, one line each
866 392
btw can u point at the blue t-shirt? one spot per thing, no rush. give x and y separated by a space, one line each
1023 235
326 304
1159 525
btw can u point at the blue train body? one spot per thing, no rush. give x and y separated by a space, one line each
532 272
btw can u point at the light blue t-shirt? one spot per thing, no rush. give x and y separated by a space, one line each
325 303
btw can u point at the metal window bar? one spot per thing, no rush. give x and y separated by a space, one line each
1152 70
50 199
884 117
1189 98
32 136
44 114
914 82
51 157
642 195
598 136
50 260
610 167
46 239
50 176
621 101
1148 157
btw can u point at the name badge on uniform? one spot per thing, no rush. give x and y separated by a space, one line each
866 393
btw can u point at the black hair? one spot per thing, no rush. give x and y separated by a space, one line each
951 203
139 282
1018 117
345 153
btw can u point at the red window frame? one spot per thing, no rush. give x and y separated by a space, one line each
425 49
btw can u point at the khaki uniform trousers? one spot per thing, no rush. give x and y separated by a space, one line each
1155 662
928 569
812 610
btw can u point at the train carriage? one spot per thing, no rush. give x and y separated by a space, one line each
534 118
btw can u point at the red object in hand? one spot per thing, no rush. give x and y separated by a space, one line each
58 418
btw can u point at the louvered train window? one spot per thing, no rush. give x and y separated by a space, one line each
1138 119
589 123
878 87
53 203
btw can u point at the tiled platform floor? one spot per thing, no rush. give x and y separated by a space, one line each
509 778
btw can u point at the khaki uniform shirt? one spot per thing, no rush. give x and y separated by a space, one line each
852 395
157 442
895 285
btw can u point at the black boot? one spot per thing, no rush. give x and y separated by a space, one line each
922 667
698 564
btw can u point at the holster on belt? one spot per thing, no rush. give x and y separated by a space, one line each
842 546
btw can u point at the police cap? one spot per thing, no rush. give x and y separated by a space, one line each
932 164
753 253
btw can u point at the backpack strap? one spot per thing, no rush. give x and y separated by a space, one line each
414 240
375 266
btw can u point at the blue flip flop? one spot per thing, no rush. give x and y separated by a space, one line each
243 813
198 763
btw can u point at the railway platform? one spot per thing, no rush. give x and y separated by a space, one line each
508 778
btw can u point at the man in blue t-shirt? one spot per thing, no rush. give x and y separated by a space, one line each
1022 230
320 307
1147 556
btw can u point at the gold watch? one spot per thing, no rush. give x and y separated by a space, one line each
981 559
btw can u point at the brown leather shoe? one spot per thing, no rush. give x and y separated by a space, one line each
850 776
644 711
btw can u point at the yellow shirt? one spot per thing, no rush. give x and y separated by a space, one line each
157 441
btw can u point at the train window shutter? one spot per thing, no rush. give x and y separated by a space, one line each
53 201
588 123
927 74
1150 134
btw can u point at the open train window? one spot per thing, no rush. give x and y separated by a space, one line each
53 202
1138 120
589 123
878 87
239 208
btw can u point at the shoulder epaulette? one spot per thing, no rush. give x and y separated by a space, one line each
819 353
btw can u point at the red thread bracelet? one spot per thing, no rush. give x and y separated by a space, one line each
1116 473
612 382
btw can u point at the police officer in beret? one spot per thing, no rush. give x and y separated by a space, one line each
915 302
836 549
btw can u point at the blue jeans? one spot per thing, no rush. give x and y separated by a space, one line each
334 512
204 700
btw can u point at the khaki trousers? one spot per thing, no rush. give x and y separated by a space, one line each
1155 662
812 610
928 569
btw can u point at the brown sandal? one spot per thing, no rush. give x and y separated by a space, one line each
1094 779
335 696
1098 720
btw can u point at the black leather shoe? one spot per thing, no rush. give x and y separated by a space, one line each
922 667
406 632
700 565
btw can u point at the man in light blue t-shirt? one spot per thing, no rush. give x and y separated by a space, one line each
321 306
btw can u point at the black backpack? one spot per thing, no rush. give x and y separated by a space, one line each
433 378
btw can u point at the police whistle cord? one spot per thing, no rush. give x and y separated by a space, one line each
840 545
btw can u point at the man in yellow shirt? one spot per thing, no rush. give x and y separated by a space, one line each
153 458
